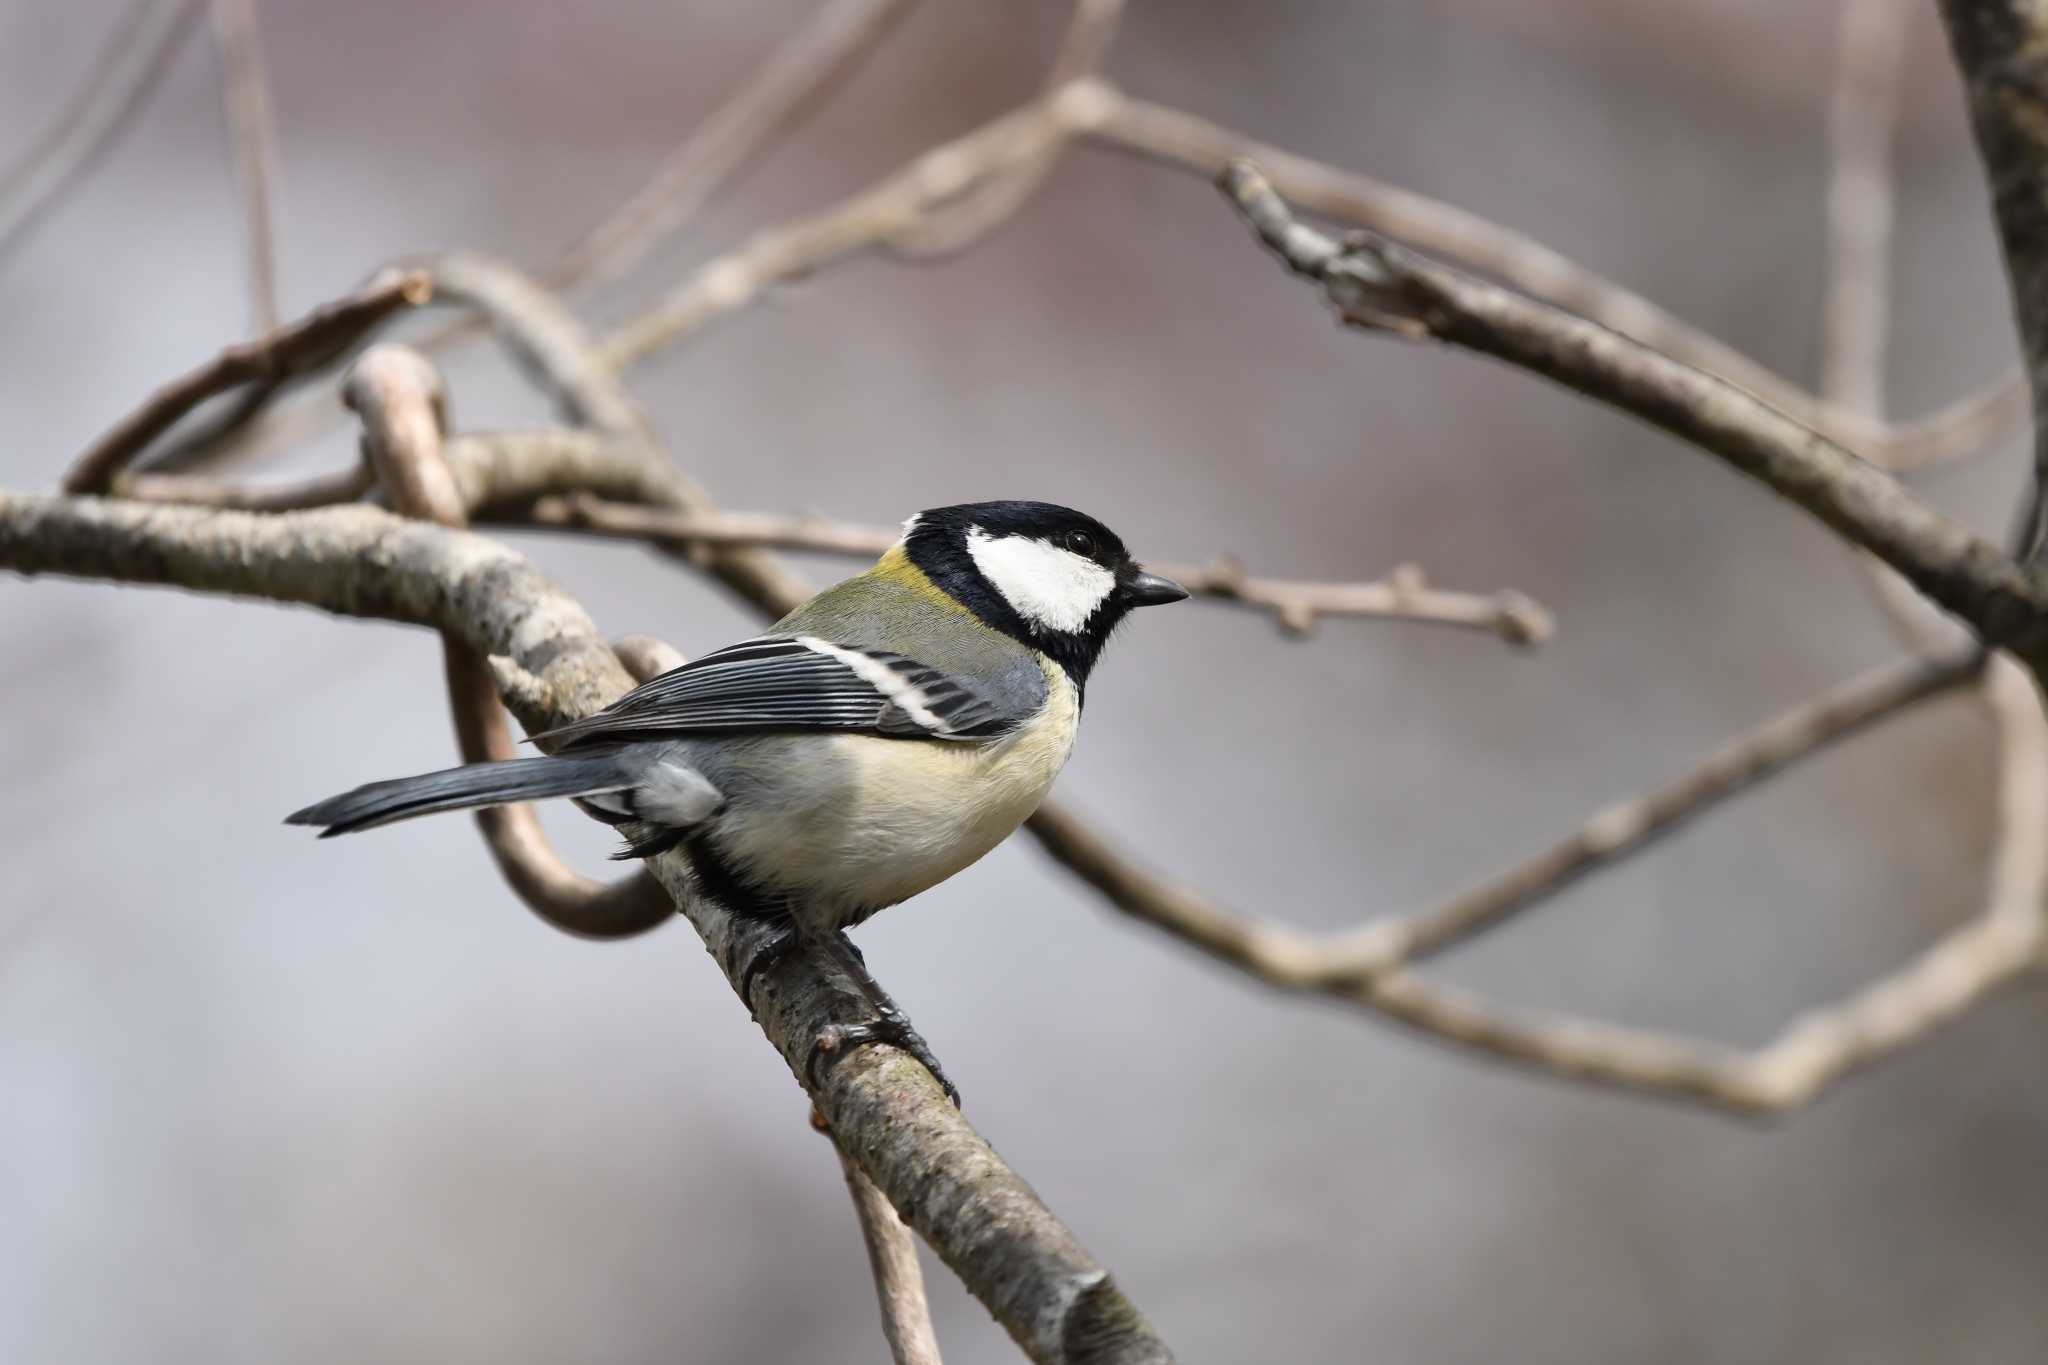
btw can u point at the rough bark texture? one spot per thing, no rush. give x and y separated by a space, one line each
884 1108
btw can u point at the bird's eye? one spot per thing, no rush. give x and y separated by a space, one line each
1081 543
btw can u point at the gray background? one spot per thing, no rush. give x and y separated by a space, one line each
265 1099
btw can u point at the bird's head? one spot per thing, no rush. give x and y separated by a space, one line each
1056 579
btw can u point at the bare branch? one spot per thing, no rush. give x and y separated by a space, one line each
1367 966
892 1257
994 201
252 134
1375 284
132 61
308 344
798 76
399 397
323 490
875 216
1190 142
1341 961
1856 298
1405 595
888 1113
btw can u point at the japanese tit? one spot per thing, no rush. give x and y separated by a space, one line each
875 741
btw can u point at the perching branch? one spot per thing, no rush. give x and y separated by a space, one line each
886 1110
1377 285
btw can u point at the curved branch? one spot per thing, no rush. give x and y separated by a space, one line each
1375 284
316 340
890 1115
399 397
1187 141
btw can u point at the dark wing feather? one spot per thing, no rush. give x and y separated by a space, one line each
781 682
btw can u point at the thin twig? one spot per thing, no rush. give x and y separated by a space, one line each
892 1259
133 60
1189 142
868 220
796 78
1343 960
1404 595
1810 1053
954 227
1375 284
297 348
252 135
398 395
1870 54
322 490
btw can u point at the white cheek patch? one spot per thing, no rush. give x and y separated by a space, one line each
1052 588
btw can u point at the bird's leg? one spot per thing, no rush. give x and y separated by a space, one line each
767 949
890 1025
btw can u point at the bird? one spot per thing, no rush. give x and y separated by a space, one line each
878 739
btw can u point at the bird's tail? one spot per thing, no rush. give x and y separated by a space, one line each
479 784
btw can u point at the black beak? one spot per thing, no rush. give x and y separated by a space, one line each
1143 589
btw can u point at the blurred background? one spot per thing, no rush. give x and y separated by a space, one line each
268 1099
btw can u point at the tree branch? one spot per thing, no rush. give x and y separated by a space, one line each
399 397
993 201
892 1257
889 1114
298 348
1375 284
1367 967
1187 141
1404 595
795 79
130 64
252 135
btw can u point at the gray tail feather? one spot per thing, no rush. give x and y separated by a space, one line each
479 784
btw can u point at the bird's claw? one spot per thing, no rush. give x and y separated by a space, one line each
835 1041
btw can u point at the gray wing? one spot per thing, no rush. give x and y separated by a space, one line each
799 682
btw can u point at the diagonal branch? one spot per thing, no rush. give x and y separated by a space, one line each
1189 142
892 1258
132 62
253 137
795 79
887 1112
1376 284
1809 1054
261 366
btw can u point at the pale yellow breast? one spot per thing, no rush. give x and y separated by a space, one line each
911 813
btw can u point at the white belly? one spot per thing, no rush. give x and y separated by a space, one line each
898 816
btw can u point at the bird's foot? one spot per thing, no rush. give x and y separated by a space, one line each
835 1041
